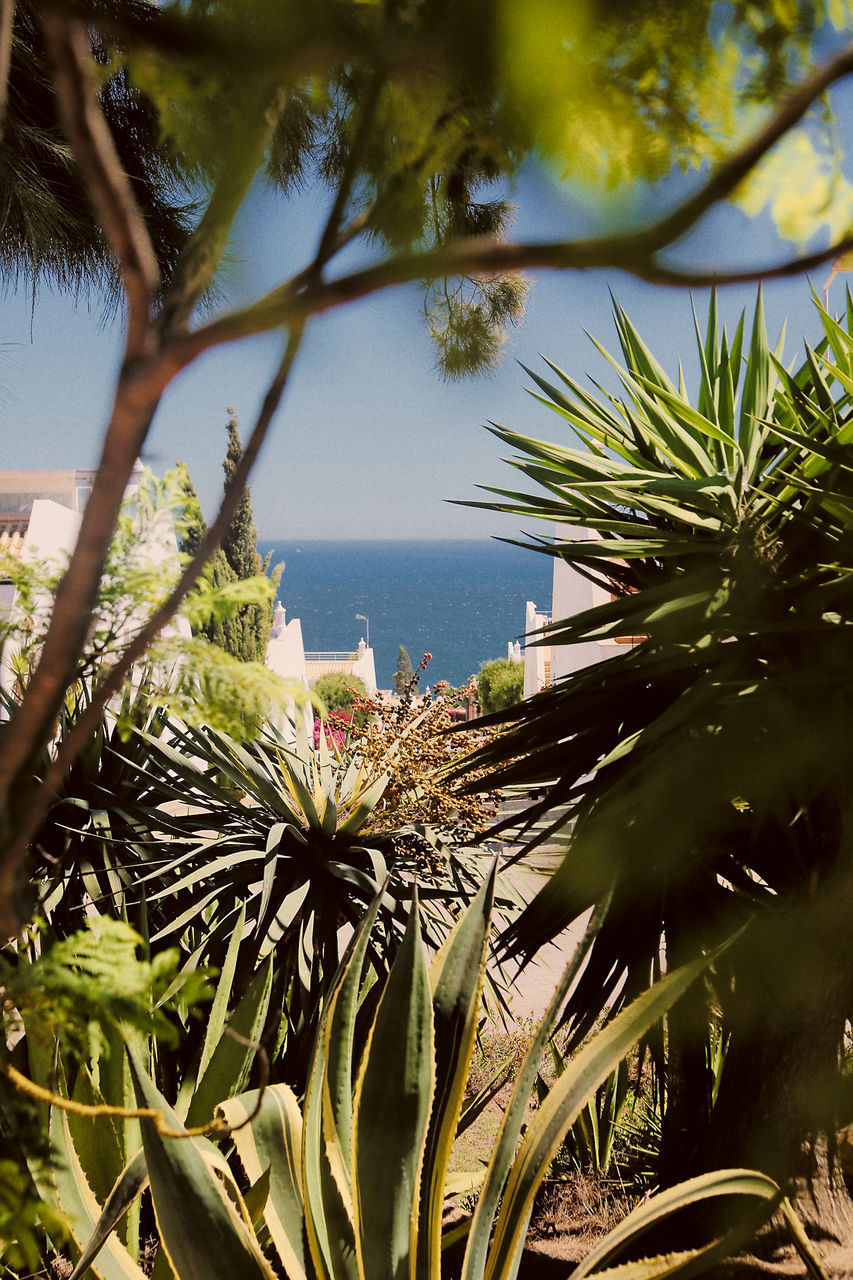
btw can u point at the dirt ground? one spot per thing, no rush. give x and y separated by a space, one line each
562 1234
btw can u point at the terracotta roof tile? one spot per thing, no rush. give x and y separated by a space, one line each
11 541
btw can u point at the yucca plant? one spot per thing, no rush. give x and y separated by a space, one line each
705 769
97 838
283 835
353 1183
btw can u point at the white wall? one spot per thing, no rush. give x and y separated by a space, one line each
365 668
286 657
537 658
573 593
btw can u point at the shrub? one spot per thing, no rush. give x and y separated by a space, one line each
338 692
500 685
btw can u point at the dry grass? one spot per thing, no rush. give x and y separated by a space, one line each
585 1206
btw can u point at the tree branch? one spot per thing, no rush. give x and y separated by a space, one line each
7 20
16 851
731 172
78 592
302 297
108 186
633 251
696 278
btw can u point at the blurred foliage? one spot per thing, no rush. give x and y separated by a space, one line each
85 993
82 987
417 118
48 234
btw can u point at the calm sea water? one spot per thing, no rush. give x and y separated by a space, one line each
459 601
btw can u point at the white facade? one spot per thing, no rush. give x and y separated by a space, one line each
359 663
40 516
537 657
571 593
286 657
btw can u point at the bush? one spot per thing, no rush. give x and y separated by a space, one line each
338 691
500 684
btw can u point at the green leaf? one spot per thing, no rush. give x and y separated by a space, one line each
366 804
129 1186
456 978
516 1111
231 1061
286 912
564 1103
329 1214
756 388
724 1182
97 1142
272 1143
219 1008
80 1206
201 1229
392 1103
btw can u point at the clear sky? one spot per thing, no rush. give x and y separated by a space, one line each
369 441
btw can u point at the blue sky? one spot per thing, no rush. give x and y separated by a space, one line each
369 441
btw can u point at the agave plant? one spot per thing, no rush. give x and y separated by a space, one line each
704 769
283 837
353 1183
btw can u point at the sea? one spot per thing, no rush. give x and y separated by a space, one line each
461 601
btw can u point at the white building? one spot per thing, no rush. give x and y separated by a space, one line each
359 662
40 515
537 657
286 657
571 593
38 508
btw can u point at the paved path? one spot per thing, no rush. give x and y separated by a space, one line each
534 986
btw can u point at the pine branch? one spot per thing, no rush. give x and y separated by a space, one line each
7 18
108 185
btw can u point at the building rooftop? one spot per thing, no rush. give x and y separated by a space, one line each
12 538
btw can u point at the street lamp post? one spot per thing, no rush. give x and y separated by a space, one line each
364 618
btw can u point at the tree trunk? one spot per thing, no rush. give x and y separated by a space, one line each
687 1114
777 1108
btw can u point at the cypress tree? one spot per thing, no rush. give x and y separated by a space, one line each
404 671
194 527
249 630
245 634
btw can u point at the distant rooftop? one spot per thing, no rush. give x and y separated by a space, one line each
11 539
70 488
